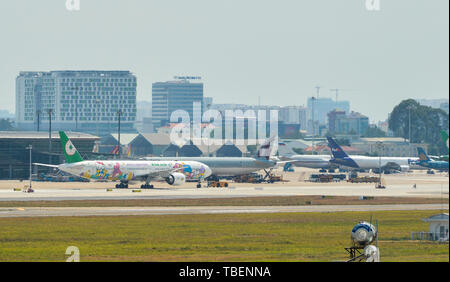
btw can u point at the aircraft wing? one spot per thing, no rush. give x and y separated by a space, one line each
161 174
47 165
392 165
286 162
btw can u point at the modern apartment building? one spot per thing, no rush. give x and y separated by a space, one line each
84 101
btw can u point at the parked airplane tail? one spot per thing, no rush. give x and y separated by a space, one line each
336 150
115 150
269 148
444 137
70 152
284 150
423 157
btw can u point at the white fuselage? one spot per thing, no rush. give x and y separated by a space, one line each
130 170
309 161
365 162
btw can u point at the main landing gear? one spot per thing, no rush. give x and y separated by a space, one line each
147 184
122 185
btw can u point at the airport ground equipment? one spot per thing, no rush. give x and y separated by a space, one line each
249 178
381 184
275 178
218 184
364 243
364 179
288 167
58 176
326 178
322 178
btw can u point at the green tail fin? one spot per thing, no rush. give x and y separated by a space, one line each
70 152
444 137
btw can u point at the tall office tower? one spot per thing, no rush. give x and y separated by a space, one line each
179 94
85 101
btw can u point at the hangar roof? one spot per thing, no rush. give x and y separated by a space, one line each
43 135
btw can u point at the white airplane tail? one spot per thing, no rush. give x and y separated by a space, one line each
269 148
284 150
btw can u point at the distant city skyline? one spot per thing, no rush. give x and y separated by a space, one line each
268 52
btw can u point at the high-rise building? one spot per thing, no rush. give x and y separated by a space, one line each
170 96
320 107
444 107
333 117
207 103
434 103
85 101
353 123
294 115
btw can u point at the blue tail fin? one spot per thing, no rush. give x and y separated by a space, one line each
422 155
336 150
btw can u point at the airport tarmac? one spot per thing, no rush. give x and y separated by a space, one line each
398 185
113 211
259 190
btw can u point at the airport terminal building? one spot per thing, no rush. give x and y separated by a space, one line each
15 157
83 101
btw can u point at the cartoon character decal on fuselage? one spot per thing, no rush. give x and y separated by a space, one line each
189 172
116 170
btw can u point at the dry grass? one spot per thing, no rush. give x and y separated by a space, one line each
241 201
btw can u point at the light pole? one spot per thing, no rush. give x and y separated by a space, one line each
409 128
76 106
119 113
97 114
38 114
313 123
409 123
50 111
380 146
30 147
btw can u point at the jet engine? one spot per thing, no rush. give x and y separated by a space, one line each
363 233
404 168
176 179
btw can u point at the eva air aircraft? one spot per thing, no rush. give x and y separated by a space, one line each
173 172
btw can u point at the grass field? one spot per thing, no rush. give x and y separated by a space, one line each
234 201
224 237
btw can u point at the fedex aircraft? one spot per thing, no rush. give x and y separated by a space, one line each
174 172
425 161
364 162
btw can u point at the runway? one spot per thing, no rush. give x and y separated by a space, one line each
115 211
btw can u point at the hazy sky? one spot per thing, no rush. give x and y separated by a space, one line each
279 50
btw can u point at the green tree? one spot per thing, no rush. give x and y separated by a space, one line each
374 132
426 124
6 124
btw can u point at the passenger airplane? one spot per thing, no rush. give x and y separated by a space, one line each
308 161
234 166
174 172
425 161
364 162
